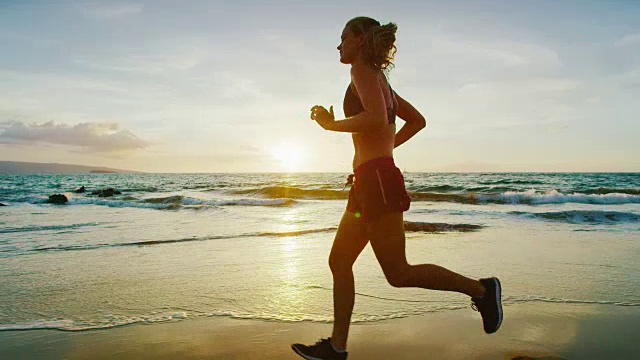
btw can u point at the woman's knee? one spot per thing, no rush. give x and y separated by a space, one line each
401 277
340 263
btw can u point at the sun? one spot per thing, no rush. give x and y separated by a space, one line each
290 156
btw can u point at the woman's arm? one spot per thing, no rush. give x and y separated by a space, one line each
374 115
414 121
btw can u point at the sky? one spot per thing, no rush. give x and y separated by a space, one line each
226 86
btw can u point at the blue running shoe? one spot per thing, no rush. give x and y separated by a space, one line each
490 305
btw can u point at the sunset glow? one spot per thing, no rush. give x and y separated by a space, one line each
290 156
149 87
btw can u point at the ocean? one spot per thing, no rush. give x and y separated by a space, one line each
173 247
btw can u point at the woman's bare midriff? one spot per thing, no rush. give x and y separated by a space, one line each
369 146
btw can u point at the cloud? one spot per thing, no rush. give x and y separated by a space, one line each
104 137
503 53
111 11
147 64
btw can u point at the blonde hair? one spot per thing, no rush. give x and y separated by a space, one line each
379 48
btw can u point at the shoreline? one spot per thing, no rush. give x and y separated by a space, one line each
530 331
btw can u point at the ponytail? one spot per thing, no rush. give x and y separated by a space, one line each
379 41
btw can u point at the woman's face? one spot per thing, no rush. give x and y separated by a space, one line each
349 46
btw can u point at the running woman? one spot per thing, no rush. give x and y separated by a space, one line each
378 198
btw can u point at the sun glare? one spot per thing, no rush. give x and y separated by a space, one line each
289 156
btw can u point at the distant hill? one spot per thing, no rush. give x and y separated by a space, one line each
18 167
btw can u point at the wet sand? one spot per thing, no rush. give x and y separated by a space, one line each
529 331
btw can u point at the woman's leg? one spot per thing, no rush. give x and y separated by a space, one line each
349 242
386 234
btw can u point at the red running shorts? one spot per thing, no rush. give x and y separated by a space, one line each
378 189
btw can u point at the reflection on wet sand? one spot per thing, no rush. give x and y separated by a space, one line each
530 331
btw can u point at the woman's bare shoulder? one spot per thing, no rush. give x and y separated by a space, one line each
359 70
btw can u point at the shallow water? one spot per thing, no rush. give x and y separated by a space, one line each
174 247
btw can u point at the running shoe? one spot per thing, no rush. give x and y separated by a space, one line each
322 350
490 305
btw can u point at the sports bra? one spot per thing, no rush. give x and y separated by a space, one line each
353 106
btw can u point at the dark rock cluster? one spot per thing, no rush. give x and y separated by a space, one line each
106 192
58 199
62 199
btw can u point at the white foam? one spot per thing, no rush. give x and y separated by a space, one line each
536 298
257 202
111 322
39 325
175 202
555 197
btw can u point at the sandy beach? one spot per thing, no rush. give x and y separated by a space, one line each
538 331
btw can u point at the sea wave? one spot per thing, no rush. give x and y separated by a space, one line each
554 197
491 189
438 197
288 195
440 188
604 190
469 195
80 325
593 217
174 241
506 300
511 181
45 227
439 227
139 189
279 192
295 233
409 227
530 197
176 202
172 315
170 202
536 298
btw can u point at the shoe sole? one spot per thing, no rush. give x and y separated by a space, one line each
304 355
499 302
